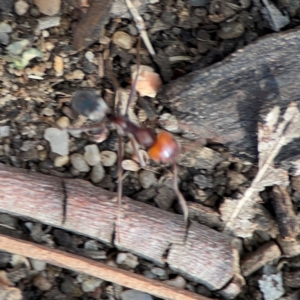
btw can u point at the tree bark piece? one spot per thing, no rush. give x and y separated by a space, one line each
184 257
205 215
289 248
285 214
149 232
257 259
223 103
96 269
33 195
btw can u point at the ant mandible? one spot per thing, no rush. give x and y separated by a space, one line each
162 148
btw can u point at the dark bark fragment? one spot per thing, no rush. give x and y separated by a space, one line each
224 102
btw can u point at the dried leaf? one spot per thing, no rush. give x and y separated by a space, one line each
130 165
253 217
148 81
22 62
271 286
272 136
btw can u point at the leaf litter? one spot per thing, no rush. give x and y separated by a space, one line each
241 216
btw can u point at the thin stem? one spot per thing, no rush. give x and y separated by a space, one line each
138 62
140 26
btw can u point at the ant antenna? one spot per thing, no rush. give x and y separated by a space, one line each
138 62
180 197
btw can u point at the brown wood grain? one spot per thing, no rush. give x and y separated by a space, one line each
147 231
96 269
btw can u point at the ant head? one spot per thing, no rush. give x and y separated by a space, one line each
87 103
165 149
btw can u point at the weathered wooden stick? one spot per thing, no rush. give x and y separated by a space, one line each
200 252
87 31
257 259
285 215
224 102
96 269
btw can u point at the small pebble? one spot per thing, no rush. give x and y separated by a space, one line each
34 12
38 264
122 39
178 282
49 46
231 30
159 271
68 287
4 38
135 295
4 131
90 284
79 163
91 245
203 181
147 179
47 22
46 164
89 55
130 165
63 122
47 111
42 283
61 161
108 158
165 198
16 48
76 75
97 174
6 28
132 29
92 155
58 66
49 8
19 261
43 154
127 259
21 7
58 139
149 274
104 40
45 33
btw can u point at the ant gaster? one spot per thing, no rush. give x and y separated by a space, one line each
162 148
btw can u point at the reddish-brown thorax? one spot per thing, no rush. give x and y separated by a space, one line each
162 148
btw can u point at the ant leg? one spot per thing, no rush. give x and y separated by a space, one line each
120 187
133 88
136 151
180 197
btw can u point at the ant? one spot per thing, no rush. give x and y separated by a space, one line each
162 148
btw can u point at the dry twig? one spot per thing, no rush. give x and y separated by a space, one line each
96 269
140 26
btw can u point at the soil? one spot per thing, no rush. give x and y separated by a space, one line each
35 94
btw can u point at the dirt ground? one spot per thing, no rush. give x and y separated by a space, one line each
41 70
